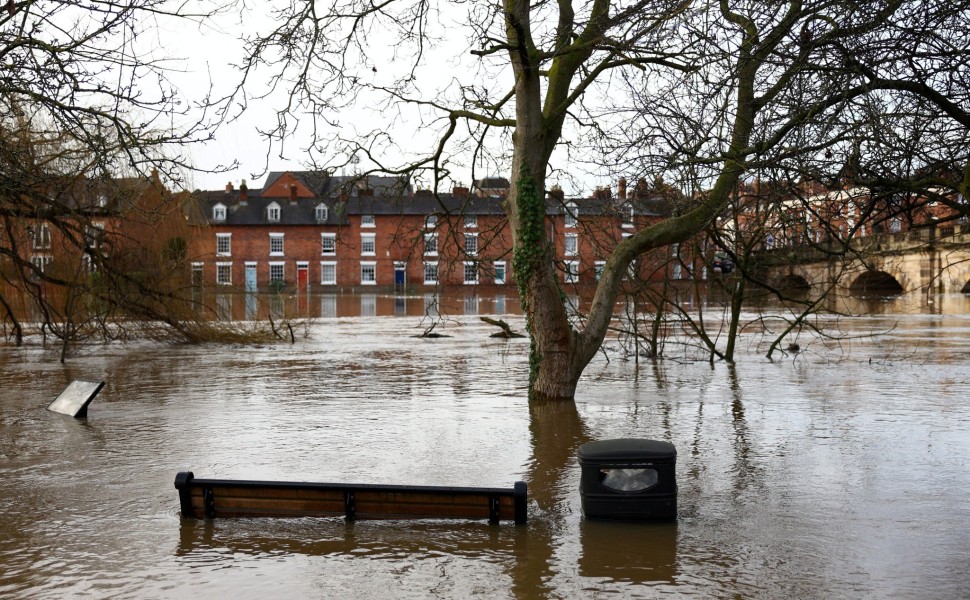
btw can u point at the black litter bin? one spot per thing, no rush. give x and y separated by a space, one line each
628 479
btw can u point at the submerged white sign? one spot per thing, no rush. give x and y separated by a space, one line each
75 398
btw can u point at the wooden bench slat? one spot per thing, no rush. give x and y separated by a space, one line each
240 498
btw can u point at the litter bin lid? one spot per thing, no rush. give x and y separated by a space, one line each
626 449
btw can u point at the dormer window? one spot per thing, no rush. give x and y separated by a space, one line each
367 220
273 213
570 214
321 213
430 222
219 212
627 215
471 221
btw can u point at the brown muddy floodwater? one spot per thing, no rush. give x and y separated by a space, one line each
842 472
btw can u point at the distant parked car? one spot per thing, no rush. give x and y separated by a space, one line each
722 264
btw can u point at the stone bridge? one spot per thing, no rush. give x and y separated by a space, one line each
930 260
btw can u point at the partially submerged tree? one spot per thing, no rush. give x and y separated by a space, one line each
699 92
88 135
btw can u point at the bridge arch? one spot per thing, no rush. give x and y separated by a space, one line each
792 282
876 283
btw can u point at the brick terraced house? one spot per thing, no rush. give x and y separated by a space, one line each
311 230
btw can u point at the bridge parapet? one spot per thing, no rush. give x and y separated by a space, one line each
915 240
930 258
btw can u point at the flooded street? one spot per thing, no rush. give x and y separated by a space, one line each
841 471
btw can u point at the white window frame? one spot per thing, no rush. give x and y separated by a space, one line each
571 239
273 213
437 274
570 271
282 267
41 238
219 212
324 265
227 238
570 215
471 221
219 279
431 221
473 265
368 264
627 216
94 236
321 212
598 267
631 269
433 238
323 244
474 250
274 237
368 221
501 268
371 239
42 261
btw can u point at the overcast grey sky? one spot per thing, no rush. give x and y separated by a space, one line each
207 52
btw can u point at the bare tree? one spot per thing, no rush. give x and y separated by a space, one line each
699 92
88 135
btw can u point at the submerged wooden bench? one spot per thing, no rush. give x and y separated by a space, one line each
211 498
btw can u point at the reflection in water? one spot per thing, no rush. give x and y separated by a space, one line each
621 552
276 306
368 305
557 432
328 306
839 472
471 305
333 537
252 307
224 306
431 306
487 301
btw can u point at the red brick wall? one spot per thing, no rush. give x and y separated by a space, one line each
400 238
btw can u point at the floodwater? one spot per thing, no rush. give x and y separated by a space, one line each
839 472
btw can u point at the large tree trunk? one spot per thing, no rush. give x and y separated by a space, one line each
556 360
559 354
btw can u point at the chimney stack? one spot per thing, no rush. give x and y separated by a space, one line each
243 193
292 193
621 189
602 193
229 188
